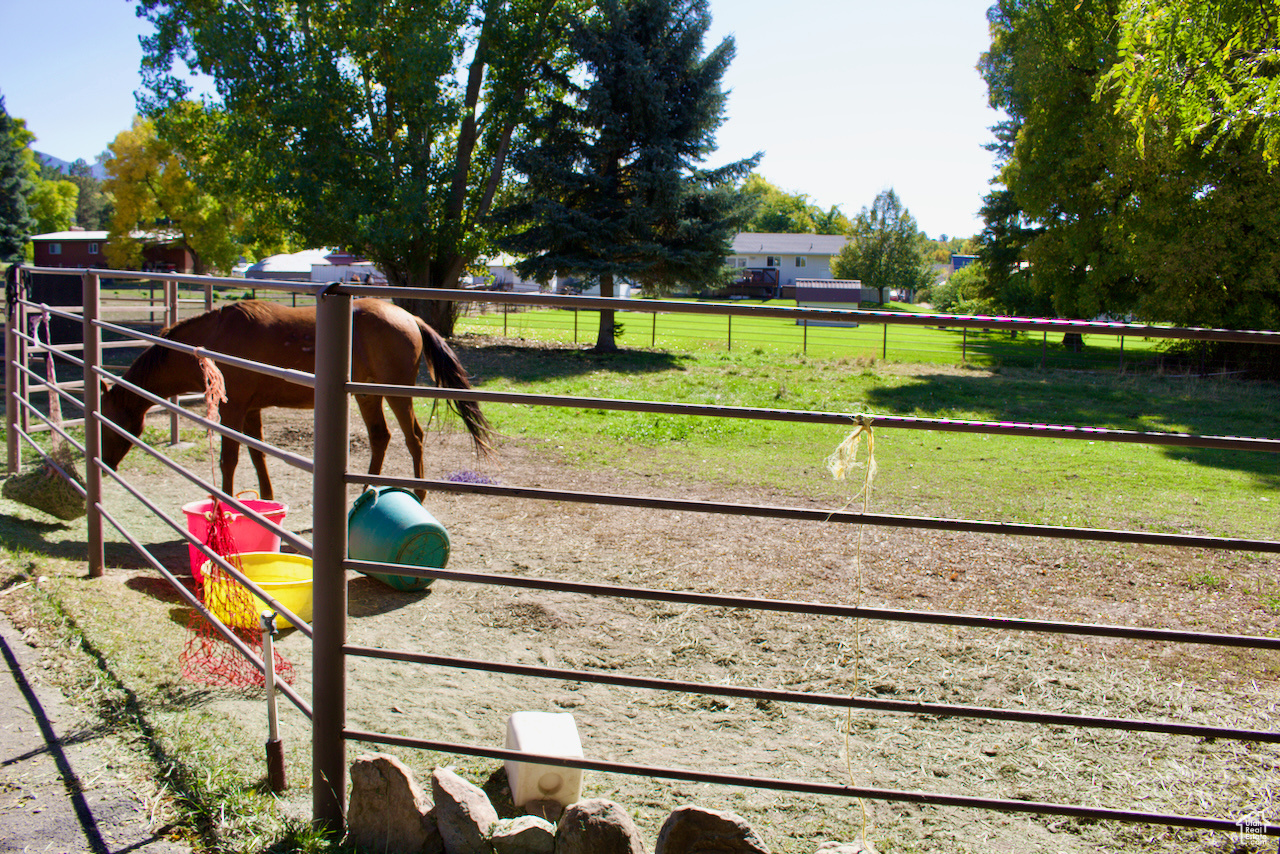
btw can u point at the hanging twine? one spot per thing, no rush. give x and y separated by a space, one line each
215 393
51 486
840 464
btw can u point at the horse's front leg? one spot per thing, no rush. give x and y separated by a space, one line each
230 457
253 429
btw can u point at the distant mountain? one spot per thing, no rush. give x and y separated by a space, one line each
64 167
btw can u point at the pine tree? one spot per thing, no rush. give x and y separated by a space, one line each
15 219
613 186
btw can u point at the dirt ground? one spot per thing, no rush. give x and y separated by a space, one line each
1015 577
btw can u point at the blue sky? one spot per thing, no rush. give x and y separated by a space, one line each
844 97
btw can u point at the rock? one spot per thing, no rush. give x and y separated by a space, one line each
387 811
527 834
597 826
694 830
463 813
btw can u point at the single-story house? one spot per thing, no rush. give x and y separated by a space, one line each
80 249
767 260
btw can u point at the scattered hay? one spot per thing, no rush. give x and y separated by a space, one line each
51 487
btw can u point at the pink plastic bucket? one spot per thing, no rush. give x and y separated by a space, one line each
246 532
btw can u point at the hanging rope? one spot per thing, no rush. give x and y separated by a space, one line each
50 486
840 464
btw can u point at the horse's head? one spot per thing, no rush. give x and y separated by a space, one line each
122 407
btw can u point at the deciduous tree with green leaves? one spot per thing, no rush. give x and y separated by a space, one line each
613 187
156 193
1207 70
884 249
1114 216
780 212
385 125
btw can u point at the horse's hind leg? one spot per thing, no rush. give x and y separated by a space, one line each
375 421
402 408
253 429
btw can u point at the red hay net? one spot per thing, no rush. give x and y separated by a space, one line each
207 657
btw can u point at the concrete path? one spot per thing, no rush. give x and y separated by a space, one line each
58 790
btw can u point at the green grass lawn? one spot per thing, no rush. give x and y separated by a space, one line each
645 327
1031 479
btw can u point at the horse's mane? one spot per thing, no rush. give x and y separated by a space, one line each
154 357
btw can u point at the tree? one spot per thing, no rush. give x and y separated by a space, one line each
53 204
1099 208
884 249
15 185
93 205
613 187
155 193
1206 69
385 126
1067 161
777 211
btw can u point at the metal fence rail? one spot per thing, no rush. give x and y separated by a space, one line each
327 705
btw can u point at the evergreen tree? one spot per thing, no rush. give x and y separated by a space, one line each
15 219
93 207
612 184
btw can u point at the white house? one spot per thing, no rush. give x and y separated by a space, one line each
780 259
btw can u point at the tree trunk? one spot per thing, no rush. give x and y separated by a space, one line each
442 315
605 342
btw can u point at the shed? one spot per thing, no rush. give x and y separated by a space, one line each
832 293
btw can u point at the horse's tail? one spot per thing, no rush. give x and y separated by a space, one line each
449 373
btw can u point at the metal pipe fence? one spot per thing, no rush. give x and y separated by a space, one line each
328 704
864 334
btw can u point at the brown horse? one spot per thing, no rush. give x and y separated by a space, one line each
387 343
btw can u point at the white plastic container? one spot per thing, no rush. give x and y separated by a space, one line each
549 734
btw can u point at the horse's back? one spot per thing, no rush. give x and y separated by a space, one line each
386 345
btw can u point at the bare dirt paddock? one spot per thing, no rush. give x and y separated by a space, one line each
974 574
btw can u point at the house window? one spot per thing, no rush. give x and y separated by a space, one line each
773 261
800 260
742 263
93 249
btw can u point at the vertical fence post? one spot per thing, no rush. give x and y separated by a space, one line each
653 333
171 317
730 317
13 322
884 344
91 299
504 320
329 550
208 296
1044 349
1122 354
964 345
804 346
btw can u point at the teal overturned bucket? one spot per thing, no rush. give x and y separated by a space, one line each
388 524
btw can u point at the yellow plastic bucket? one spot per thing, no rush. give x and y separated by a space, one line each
285 577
